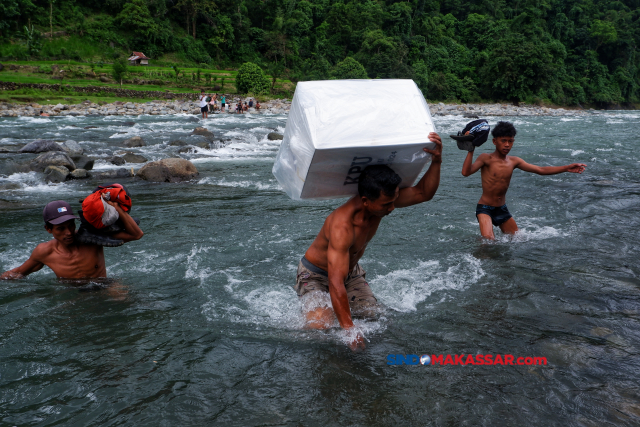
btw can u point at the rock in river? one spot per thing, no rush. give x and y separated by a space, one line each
168 170
273 136
113 174
52 158
40 146
117 160
72 148
79 174
204 132
56 174
83 162
130 157
136 141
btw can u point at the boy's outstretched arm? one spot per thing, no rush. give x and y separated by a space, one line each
469 167
550 170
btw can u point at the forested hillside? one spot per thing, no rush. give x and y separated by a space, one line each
563 51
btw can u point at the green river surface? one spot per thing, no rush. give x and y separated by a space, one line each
203 327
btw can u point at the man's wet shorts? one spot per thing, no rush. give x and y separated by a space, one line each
499 215
311 278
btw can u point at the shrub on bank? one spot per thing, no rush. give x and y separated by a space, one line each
251 78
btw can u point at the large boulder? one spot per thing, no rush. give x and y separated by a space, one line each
136 141
273 136
83 162
41 146
56 174
52 158
72 148
203 132
130 157
168 170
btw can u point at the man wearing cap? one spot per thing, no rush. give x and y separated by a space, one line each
68 258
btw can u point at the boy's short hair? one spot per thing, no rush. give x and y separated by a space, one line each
376 179
503 129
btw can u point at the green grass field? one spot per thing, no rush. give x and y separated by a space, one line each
83 74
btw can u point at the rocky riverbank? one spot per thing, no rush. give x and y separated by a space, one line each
482 110
277 106
119 108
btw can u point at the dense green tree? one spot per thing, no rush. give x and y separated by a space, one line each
349 68
251 78
119 70
564 51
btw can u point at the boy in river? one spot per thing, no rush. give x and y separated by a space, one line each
330 270
68 258
496 170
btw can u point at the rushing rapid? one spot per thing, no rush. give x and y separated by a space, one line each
202 326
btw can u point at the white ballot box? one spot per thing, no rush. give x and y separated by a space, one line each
338 127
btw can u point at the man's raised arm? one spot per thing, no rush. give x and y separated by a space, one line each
426 188
132 231
550 170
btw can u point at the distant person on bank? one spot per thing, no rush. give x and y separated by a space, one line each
203 105
68 258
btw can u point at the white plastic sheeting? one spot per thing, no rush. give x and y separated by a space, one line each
338 127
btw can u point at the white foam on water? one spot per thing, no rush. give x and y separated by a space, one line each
528 231
34 120
194 257
33 182
402 290
272 185
573 152
604 149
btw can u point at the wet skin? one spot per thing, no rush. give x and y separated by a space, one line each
70 259
496 171
348 230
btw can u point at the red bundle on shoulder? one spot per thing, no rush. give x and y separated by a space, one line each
97 212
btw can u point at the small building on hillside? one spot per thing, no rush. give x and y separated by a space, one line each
138 58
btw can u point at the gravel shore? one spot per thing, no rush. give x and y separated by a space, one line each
276 106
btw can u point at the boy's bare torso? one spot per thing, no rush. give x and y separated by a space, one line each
496 176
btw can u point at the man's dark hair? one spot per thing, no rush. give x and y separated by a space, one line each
48 225
503 129
378 178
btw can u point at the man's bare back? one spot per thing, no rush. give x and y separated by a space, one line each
347 223
344 236
496 172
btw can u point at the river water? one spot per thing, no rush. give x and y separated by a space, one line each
203 328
